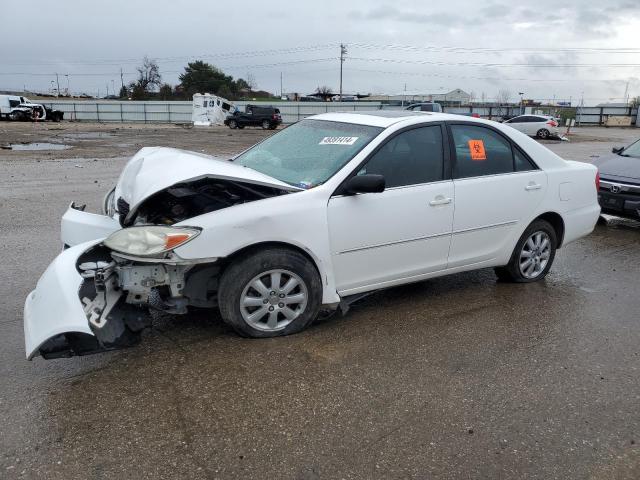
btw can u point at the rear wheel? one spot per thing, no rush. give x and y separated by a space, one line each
17 116
543 133
270 293
533 256
266 124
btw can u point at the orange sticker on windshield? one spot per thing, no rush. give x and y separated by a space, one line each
476 147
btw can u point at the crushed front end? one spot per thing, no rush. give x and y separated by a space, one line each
93 299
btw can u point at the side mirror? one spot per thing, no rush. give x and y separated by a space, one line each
617 150
368 183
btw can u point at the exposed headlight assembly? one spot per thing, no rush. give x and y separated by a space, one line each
149 241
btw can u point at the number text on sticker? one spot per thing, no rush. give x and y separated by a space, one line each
338 141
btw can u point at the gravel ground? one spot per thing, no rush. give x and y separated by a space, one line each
459 377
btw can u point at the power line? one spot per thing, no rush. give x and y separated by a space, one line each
483 64
454 49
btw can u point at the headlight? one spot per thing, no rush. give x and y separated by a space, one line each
109 204
150 240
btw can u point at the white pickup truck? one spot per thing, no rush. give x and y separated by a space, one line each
17 108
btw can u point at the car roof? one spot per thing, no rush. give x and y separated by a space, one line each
386 118
375 118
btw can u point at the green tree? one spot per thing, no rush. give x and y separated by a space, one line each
165 92
201 77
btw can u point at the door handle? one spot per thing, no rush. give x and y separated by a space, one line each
533 186
440 200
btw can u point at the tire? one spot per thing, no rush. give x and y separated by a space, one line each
268 311
17 116
266 124
531 243
240 127
233 124
543 133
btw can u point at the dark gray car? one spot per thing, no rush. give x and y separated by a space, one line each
619 192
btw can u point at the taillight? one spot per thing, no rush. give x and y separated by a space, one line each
553 123
597 180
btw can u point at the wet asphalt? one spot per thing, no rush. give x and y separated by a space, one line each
458 377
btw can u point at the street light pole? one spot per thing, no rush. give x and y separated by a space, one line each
58 83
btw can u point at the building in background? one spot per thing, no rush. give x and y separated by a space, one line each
454 97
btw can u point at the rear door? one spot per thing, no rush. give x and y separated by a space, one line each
497 189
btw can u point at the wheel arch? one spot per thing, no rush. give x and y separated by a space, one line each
254 247
557 222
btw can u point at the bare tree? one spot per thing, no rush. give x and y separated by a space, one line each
148 75
502 99
503 96
251 81
324 90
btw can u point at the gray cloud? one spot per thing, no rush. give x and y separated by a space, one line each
92 43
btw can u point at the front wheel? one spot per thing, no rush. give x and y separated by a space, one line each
533 255
543 133
270 293
233 124
266 124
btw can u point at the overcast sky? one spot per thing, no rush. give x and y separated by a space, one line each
431 47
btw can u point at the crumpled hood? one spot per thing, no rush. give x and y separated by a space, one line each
155 168
616 167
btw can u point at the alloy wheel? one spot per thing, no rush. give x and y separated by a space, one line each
273 299
535 254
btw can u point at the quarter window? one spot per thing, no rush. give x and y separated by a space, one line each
480 151
410 158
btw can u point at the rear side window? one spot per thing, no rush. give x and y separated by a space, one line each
427 108
412 157
480 151
522 163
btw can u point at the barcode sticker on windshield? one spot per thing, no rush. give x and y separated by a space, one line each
338 140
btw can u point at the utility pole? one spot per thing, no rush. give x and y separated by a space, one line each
121 78
281 94
343 52
68 87
58 83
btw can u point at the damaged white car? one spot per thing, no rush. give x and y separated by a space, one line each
329 209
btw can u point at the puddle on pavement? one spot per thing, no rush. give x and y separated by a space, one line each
87 135
36 146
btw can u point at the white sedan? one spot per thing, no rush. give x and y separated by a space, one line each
540 126
330 208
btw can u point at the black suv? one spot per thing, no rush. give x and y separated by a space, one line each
267 117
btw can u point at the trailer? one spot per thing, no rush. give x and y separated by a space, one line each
210 109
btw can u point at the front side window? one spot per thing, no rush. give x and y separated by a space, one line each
309 152
480 151
410 158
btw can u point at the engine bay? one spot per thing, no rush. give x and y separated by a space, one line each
187 200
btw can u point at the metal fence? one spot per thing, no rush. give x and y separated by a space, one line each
180 112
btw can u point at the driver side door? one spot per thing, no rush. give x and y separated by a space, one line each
388 238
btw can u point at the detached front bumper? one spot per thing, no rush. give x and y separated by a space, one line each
54 318
79 306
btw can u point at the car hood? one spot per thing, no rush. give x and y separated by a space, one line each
617 167
155 168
